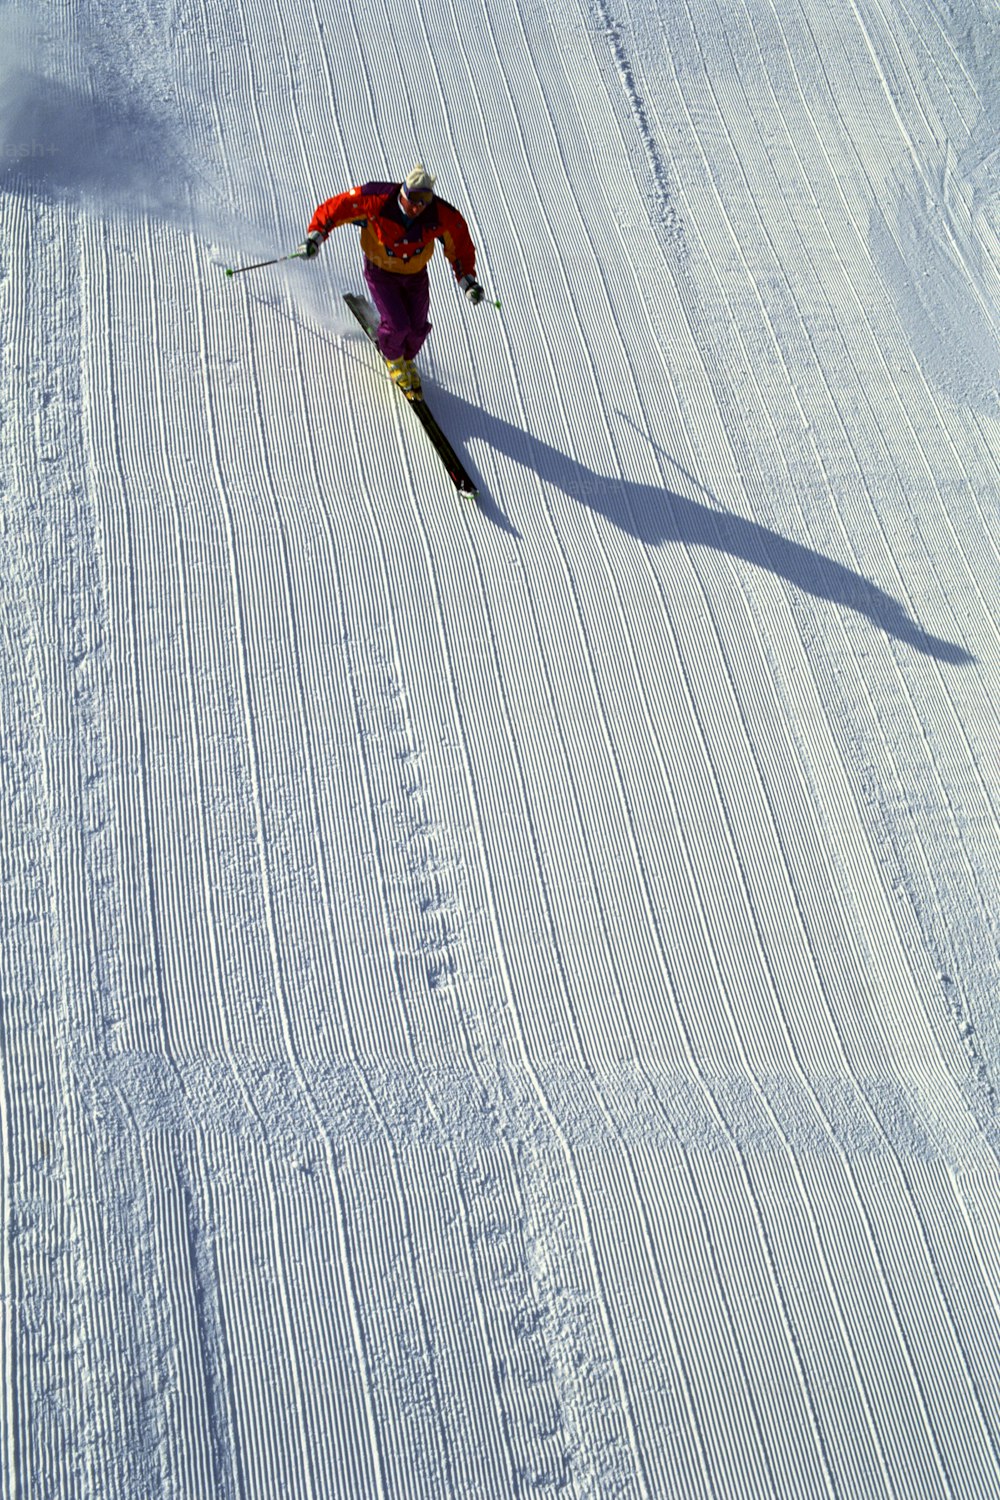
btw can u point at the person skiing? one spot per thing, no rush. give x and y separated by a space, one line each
401 223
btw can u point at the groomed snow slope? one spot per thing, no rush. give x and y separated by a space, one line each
502 1000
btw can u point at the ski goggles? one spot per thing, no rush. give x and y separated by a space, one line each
418 201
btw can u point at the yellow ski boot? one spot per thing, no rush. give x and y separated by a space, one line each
406 375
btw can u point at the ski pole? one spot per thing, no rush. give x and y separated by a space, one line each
239 270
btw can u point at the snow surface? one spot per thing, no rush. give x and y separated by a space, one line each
502 1000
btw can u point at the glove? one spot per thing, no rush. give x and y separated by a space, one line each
470 286
310 245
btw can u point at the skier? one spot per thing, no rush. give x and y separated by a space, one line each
400 223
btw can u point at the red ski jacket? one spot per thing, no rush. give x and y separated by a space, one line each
392 241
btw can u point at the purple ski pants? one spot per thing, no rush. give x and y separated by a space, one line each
403 303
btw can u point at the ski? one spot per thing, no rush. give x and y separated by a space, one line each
457 471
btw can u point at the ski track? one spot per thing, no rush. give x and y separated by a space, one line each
499 1000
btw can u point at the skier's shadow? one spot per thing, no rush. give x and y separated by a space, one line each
657 516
